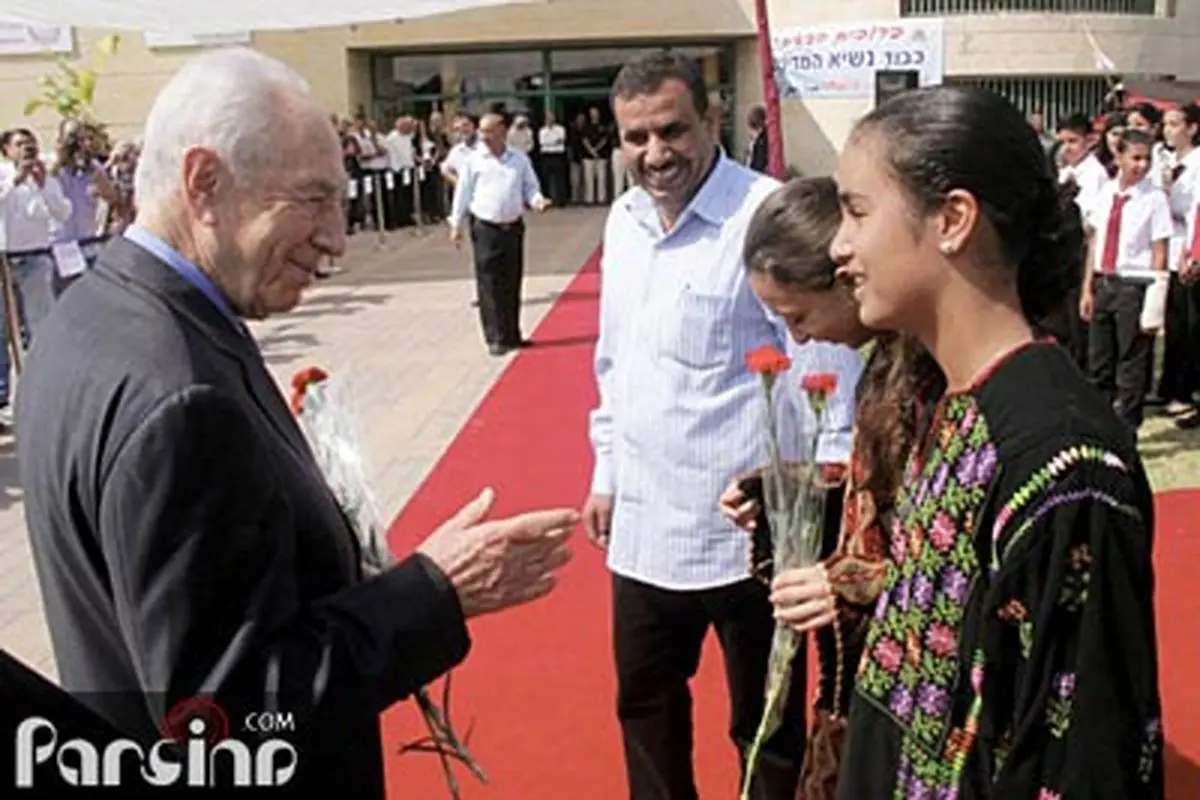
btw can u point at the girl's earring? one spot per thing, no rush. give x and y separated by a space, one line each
947 248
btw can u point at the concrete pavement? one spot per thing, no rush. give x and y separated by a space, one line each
398 320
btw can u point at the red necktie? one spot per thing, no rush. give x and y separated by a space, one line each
1194 250
1112 237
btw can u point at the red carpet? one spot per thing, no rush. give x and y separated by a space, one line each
538 684
1177 553
537 688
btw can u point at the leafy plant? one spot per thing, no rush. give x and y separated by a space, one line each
70 91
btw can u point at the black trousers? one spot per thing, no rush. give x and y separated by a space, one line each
433 195
1181 342
499 270
1120 356
557 177
1076 341
658 635
398 200
356 214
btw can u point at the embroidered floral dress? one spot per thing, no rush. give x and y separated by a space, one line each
1012 651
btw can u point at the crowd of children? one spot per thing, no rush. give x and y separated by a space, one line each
1137 188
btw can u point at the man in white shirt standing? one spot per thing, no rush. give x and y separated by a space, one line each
552 142
495 185
1131 228
32 203
467 141
402 162
679 418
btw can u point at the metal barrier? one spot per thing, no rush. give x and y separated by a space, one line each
921 8
12 309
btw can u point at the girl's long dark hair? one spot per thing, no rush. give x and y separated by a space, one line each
899 380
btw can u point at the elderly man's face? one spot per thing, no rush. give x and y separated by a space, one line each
272 233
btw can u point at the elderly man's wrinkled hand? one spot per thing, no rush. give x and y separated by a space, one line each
499 564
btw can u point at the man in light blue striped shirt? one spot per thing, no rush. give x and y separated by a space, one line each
679 416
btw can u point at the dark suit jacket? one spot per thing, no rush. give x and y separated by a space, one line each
760 155
186 542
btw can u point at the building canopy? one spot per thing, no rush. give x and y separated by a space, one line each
225 16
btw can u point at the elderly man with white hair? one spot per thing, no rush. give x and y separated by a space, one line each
186 543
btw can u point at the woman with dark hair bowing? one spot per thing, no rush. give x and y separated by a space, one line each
1012 650
790 270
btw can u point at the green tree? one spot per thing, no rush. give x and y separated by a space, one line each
70 91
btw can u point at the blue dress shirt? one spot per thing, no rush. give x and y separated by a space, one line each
187 270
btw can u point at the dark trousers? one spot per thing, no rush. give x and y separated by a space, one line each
658 635
499 270
398 200
557 177
356 214
1119 354
432 195
1076 329
1181 342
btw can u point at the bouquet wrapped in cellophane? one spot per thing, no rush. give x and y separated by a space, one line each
323 409
794 492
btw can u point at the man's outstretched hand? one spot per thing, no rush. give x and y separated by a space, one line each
498 564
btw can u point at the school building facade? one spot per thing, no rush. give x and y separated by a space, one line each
562 54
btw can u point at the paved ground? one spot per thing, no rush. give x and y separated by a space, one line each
399 320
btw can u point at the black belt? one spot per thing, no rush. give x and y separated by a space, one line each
45 251
1116 277
500 226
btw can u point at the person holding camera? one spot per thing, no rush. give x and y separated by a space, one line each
31 203
79 167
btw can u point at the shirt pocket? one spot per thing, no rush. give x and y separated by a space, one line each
699 332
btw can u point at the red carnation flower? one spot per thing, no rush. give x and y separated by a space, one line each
767 360
822 383
301 380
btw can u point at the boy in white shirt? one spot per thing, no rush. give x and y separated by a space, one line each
1082 170
1189 283
1130 229
1080 165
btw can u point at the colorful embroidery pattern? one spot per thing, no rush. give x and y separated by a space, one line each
1152 738
1036 487
935 775
1058 710
911 666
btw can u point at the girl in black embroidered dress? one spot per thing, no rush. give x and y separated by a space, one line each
1012 651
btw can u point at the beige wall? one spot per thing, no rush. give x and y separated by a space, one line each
336 64
1031 44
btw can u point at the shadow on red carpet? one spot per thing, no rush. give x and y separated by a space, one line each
537 689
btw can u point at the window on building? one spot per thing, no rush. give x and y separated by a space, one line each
477 80
921 8
1054 97
595 69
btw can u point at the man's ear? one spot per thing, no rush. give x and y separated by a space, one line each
202 180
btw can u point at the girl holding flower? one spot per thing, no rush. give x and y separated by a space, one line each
787 256
1012 650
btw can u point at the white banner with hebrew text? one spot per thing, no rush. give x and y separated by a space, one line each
841 60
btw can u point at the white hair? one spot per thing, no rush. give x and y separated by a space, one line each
232 101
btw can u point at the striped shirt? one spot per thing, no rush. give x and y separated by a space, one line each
679 415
